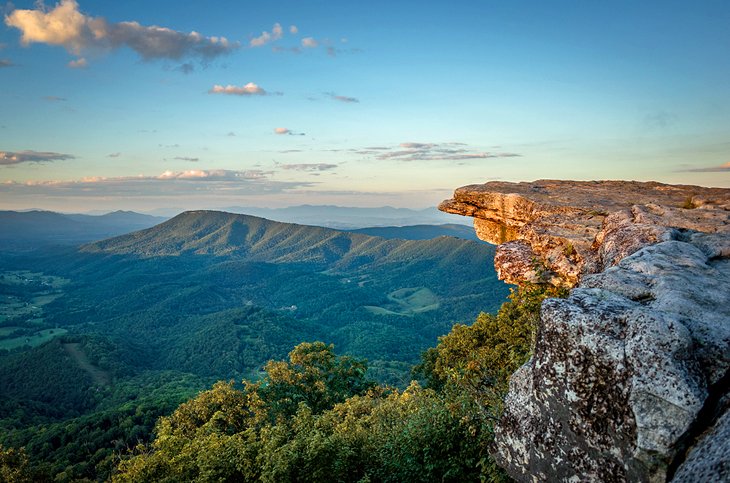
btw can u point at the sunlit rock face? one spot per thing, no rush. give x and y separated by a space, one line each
575 228
629 377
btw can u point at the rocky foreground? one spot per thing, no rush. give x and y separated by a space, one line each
629 377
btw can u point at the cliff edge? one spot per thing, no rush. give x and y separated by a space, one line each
629 377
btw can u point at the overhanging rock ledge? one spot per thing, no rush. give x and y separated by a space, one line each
629 376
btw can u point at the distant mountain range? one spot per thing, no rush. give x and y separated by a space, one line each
31 229
257 239
343 217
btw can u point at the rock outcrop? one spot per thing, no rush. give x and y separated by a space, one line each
629 376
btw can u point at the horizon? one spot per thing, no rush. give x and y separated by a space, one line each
143 107
178 210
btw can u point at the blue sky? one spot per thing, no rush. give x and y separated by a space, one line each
108 105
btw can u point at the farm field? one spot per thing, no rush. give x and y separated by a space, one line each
23 296
407 302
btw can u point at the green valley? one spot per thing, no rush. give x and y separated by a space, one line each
118 332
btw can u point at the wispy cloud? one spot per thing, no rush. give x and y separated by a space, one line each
113 155
64 25
249 89
286 131
293 29
78 63
54 98
309 166
413 151
186 68
187 158
711 169
6 63
8 158
267 37
339 98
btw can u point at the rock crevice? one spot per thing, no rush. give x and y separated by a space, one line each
624 366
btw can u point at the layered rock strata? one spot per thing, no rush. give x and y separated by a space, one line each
629 376
558 231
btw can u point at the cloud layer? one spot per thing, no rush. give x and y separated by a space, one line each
712 169
411 151
8 158
66 26
309 167
215 183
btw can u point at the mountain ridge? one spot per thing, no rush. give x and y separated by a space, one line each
217 233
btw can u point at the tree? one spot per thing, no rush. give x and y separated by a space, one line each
315 376
14 465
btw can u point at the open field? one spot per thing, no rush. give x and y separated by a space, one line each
407 302
26 277
34 340
24 295
7 330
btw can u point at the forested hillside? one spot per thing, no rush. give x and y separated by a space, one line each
107 338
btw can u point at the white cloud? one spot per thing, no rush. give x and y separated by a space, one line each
66 26
309 43
7 157
293 29
249 89
267 37
213 175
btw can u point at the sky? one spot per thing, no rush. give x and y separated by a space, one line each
158 104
